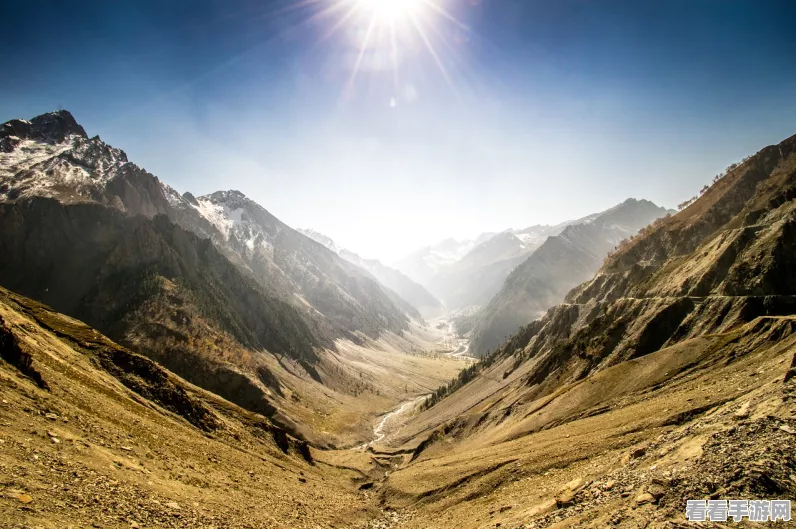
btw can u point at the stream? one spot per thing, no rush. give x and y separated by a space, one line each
379 431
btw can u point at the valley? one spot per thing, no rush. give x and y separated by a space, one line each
179 361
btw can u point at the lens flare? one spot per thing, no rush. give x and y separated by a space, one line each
392 10
393 32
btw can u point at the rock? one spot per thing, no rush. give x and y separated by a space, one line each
505 508
663 481
19 496
565 499
644 498
608 485
55 440
172 505
743 411
51 416
791 374
576 484
788 429
656 491
127 448
638 452
134 525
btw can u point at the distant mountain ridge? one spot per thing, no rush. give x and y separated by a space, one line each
415 294
467 274
559 264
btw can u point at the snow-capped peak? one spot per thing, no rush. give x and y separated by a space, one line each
74 167
321 239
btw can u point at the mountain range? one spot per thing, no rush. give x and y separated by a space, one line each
230 371
200 284
415 294
466 274
560 263
677 352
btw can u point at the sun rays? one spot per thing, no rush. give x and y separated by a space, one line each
388 34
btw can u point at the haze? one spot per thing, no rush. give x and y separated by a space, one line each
519 113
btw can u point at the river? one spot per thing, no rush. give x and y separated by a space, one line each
380 431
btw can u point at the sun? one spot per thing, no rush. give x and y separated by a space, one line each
393 10
386 36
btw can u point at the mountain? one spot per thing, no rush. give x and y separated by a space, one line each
560 263
423 265
625 400
302 271
51 156
158 288
421 301
710 284
466 274
473 279
215 288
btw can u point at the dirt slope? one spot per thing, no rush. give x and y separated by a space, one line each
93 433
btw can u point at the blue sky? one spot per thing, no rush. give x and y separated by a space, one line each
532 111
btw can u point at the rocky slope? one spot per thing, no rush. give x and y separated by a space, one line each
560 263
347 297
156 287
421 301
658 380
713 268
94 434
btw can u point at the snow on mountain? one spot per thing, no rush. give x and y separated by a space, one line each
52 156
74 166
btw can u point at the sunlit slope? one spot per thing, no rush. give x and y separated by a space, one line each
96 434
692 318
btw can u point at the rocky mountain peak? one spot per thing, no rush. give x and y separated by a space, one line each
52 127
231 198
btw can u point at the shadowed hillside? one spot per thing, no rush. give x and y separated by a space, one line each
560 263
